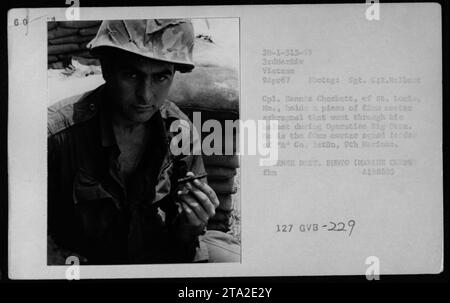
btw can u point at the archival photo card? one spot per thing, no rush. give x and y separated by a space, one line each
221 141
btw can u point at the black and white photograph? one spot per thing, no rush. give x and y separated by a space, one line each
118 193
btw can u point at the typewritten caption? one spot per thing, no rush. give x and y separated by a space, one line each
338 122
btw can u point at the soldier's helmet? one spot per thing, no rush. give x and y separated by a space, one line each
168 40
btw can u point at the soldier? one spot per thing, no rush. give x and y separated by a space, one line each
113 196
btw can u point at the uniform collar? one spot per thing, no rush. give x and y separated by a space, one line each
108 139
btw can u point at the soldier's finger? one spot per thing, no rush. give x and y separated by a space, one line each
190 215
199 211
208 191
203 199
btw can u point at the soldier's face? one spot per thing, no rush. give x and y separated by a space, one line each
138 86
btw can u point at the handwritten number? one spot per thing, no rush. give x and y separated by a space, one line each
334 226
17 22
342 228
351 223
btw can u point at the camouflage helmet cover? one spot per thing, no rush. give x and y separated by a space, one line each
169 40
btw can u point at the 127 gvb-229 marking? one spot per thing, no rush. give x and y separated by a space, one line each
332 226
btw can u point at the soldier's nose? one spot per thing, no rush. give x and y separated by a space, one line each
145 94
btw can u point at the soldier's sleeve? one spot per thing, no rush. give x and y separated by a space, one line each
55 254
60 236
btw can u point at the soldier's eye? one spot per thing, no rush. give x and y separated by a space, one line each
161 78
131 75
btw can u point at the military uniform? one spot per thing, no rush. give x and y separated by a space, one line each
92 213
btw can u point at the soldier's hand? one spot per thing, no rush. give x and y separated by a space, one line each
198 201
